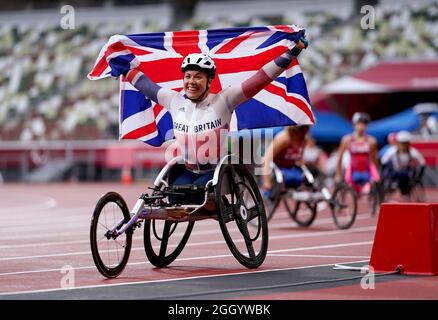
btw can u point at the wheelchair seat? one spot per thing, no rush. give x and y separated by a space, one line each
190 193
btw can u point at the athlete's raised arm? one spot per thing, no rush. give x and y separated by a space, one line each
150 89
235 95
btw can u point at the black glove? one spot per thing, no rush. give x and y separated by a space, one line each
296 51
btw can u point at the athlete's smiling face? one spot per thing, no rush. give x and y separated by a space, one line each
195 83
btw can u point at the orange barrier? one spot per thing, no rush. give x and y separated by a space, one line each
406 238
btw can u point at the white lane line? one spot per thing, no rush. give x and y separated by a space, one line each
34 215
340 245
43 244
316 256
47 203
175 279
204 231
202 243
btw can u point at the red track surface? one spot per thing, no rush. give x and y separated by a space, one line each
45 228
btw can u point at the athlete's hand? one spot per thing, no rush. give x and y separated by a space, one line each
119 66
300 44
267 184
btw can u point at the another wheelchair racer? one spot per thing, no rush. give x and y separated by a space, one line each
402 165
285 151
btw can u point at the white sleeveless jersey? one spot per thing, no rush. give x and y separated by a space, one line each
201 129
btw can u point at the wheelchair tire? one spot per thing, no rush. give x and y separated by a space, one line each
340 202
163 258
236 190
271 203
374 198
417 192
271 206
110 209
303 220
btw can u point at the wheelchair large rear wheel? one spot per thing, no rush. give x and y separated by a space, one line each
344 206
239 201
375 198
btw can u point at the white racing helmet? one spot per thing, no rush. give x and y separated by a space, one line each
199 62
360 117
403 137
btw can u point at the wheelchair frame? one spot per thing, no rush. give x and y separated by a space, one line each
149 208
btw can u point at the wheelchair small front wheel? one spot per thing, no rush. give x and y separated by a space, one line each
240 202
110 254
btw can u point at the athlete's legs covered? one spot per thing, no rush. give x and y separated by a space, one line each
360 177
202 179
403 179
293 177
186 177
359 180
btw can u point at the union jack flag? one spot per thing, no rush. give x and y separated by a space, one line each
237 52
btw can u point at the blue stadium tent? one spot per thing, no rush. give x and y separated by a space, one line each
405 120
330 127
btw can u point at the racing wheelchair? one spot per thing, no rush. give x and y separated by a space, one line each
411 185
366 187
169 213
302 203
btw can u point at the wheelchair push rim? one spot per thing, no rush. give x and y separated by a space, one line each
239 202
110 254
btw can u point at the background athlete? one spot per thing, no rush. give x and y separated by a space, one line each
402 164
363 154
286 151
